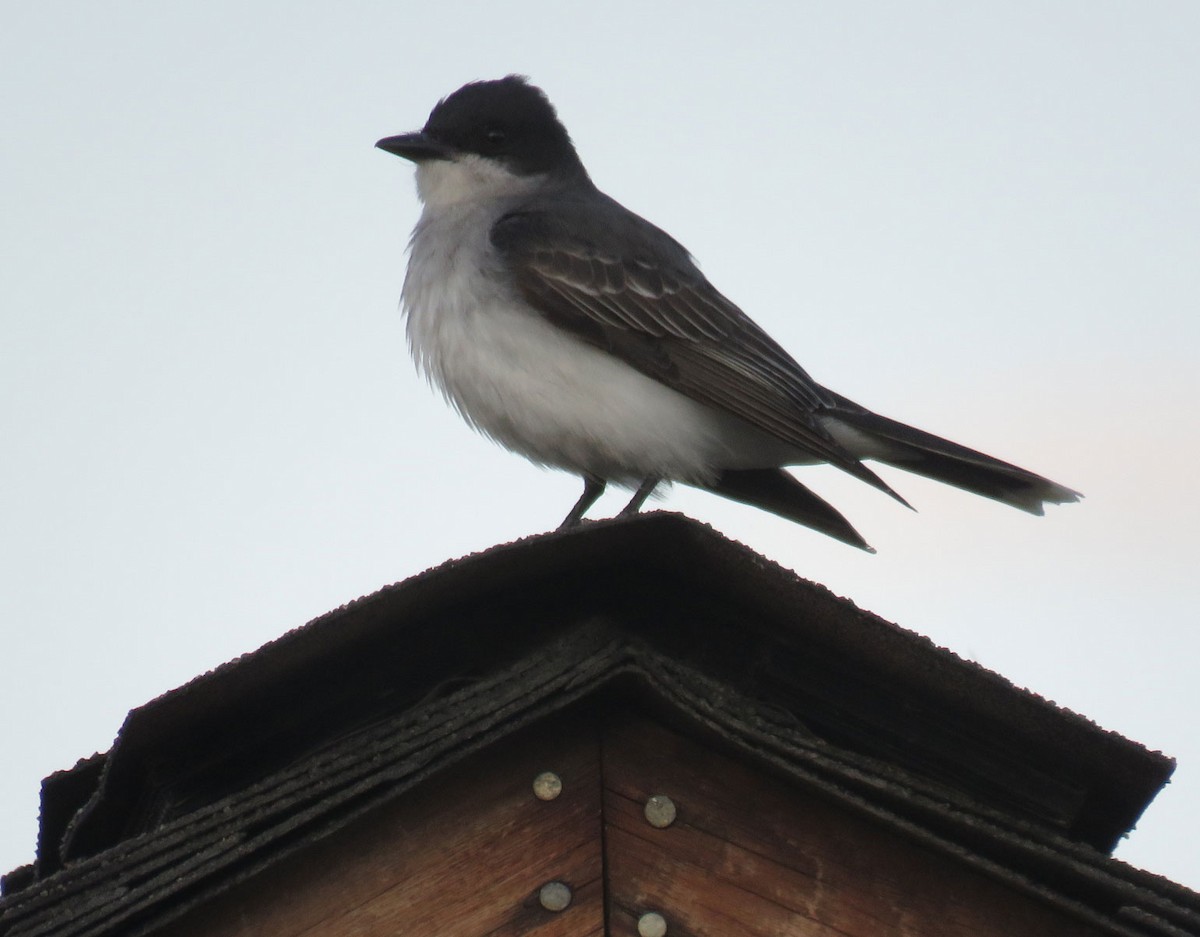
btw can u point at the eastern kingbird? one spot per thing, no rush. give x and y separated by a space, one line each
574 332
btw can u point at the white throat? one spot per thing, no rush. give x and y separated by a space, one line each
442 183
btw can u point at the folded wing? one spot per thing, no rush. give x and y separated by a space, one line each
631 290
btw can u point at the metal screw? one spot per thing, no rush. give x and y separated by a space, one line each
660 811
547 786
554 896
652 924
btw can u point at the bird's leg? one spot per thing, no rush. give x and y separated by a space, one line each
593 488
645 489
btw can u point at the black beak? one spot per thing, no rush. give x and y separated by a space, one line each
415 146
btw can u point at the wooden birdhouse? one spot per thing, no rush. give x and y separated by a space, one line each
635 728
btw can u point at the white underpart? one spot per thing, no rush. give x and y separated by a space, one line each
527 384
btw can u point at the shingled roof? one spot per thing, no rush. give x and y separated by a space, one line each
219 779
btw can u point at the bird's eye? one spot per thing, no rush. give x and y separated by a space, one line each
495 136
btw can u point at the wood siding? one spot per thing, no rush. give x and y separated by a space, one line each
748 854
464 855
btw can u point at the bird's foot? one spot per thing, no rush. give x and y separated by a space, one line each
593 488
645 489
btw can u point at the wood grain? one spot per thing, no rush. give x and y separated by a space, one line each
463 856
750 854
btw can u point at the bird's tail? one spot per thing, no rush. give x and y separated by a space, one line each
776 491
914 450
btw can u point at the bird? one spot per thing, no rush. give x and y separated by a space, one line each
579 335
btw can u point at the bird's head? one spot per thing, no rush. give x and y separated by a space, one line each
488 139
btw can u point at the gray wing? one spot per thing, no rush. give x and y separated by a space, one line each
629 288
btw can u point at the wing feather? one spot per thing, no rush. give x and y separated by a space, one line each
632 290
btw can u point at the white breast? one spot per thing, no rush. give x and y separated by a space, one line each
538 390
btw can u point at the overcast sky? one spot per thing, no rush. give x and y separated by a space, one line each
983 219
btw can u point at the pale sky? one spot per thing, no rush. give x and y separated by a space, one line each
983 219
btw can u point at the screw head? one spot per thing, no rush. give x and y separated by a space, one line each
660 811
652 924
547 786
554 896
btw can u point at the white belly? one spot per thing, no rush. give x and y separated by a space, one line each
541 392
